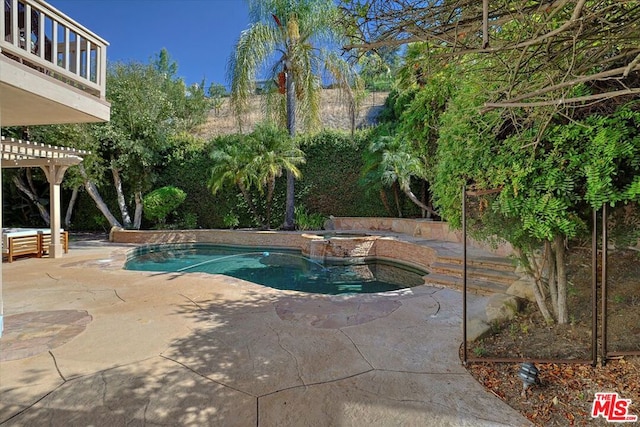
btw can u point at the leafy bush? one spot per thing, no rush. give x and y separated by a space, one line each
330 178
189 221
161 202
308 221
231 220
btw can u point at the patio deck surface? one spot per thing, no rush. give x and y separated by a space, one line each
87 343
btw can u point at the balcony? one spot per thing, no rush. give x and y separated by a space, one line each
52 69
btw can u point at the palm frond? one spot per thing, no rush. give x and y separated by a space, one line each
253 48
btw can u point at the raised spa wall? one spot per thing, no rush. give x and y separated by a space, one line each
416 228
344 238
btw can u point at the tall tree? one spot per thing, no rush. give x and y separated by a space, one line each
566 43
90 174
295 38
547 180
149 105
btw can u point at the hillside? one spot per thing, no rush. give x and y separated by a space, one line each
334 114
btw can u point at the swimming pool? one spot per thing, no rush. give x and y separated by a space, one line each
277 268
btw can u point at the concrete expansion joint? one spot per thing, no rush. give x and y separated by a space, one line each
404 371
55 364
437 309
356 347
118 296
33 404
193 302
54 278
297 362
208 378
305 386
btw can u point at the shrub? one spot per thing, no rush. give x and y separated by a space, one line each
231 220
307 221
161 202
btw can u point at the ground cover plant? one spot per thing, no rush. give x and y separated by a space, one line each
564 396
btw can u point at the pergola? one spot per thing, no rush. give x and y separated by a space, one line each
54 161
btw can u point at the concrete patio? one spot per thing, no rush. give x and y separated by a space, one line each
87 343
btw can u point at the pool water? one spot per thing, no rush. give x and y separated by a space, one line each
277 268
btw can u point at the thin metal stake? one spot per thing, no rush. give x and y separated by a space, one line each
464 274
594 290
604 284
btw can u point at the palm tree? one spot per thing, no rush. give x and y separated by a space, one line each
230 161
398 164
293 36
273 151
255 161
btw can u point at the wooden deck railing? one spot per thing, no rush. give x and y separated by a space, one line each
40 36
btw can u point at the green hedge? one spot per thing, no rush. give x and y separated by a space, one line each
329 183
329 186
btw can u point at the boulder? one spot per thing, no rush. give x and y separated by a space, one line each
522 288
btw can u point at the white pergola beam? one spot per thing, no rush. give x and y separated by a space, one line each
54 161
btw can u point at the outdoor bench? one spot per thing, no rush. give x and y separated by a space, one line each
25 241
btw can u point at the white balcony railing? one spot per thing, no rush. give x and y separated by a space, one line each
41 37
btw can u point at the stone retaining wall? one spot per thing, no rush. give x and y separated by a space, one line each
422 228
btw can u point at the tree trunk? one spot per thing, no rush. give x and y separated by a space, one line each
553 288
95 195
415 200
29 176
72 204
137 214
247 198
425 214
22 186
542 305
271 186
289 217
117 182
385 201
563 315
396 197
531 266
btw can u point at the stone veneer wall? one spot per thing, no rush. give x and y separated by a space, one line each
421 228
406 252
312 245
316 245
222 237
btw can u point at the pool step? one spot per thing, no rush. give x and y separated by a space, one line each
480 287
490 262
481 273
486 274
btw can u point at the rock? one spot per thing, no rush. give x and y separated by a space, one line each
522 288
501 307
477 329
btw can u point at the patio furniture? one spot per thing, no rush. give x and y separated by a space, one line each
45 240
29 241
20 242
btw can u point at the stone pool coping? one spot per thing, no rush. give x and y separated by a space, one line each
417 243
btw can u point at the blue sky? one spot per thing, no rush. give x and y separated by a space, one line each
199 34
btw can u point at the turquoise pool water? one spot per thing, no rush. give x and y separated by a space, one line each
277 268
